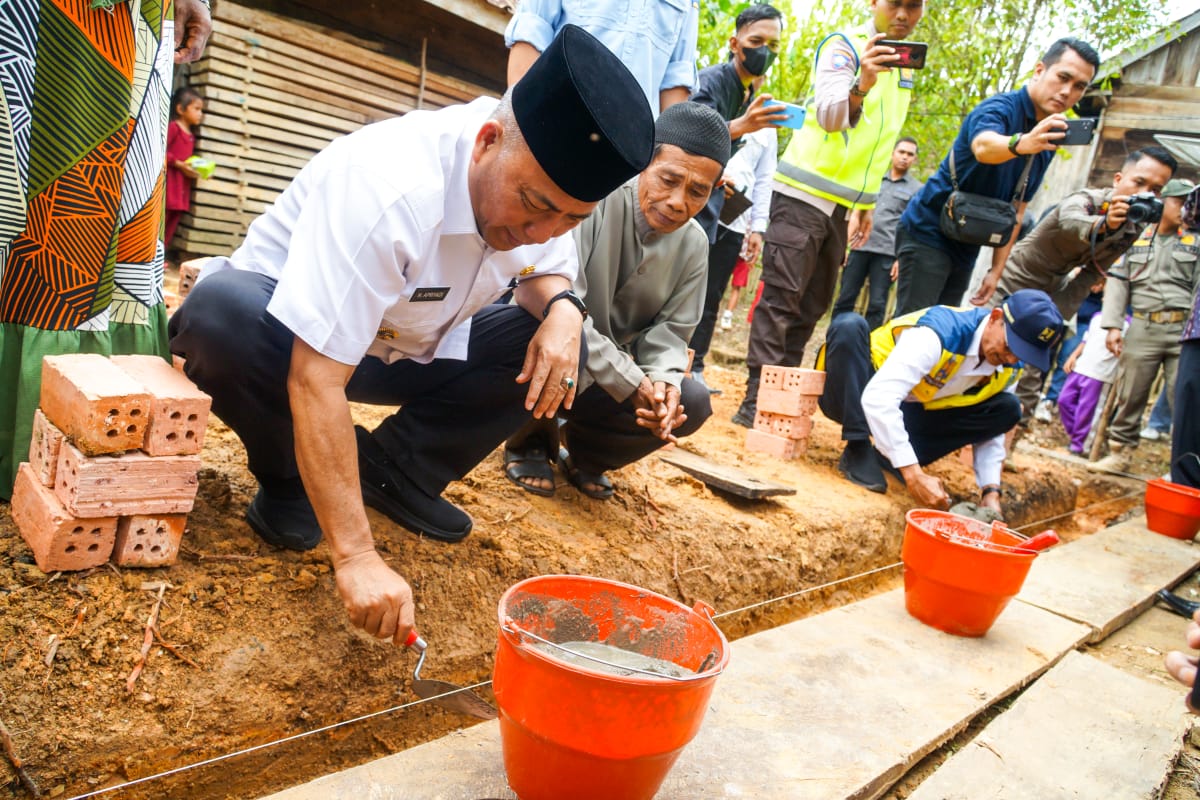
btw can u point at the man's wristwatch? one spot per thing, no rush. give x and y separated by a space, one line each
566 294
1013 141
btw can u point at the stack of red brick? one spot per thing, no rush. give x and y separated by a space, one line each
113 464
787 399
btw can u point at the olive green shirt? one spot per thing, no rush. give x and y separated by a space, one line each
1157 274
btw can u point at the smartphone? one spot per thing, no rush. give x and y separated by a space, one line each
1079 131
909 55
735 205
795 113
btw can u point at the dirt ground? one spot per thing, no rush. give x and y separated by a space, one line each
255 645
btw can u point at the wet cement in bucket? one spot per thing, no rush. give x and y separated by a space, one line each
619 662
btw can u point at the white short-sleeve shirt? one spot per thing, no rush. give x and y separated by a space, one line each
375 248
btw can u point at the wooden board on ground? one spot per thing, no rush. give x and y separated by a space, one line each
1106 579
836 705
1085 729
726 478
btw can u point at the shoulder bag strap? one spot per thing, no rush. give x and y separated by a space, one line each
1024 179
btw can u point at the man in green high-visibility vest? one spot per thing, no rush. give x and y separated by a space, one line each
827 182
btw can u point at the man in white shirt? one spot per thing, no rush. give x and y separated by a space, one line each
372 279
927 383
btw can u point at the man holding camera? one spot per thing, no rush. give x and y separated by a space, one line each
1157 278
1072 248
1001 154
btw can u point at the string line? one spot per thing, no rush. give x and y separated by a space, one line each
482 684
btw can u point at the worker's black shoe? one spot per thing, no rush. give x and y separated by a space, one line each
1182 607
860 465
287 522
388 490
744 416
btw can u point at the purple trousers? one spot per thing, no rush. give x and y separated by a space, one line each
1076 407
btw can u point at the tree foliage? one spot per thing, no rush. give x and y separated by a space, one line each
976 49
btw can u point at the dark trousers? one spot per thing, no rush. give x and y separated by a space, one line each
722 257
454 414
601 433
874 269
802 253
928 276
1185 437
933 434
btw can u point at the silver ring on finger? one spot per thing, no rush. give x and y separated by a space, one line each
567 383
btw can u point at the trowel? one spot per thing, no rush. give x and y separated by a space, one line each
443 693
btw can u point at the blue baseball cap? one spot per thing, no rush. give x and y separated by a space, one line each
1034 326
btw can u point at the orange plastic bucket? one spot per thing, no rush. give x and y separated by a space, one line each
574 732
1172 509
959 573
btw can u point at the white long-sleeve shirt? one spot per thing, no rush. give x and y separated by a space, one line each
916 353
751 169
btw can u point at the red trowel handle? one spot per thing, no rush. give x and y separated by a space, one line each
1040 541
415 641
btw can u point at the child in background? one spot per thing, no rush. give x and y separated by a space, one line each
741 276
187 109
1089 369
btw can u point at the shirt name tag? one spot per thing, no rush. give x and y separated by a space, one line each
906 78
429 294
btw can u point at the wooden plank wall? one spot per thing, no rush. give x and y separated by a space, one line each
276 92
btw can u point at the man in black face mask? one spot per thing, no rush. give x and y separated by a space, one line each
729 88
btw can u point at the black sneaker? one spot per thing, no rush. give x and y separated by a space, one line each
290 522
861 466
744 416
389 491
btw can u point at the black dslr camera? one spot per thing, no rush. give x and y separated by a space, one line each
1144 208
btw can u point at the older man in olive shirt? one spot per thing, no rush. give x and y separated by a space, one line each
1088 231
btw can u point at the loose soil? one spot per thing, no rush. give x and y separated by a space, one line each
260 647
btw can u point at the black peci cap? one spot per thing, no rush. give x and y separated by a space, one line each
584 116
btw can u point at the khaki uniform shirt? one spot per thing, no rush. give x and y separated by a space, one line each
1063 240
1159 273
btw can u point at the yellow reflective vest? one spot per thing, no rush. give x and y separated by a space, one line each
848 166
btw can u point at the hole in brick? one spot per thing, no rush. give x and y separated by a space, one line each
70 548
192 417
160 530
137 548
137 412
190 435
95 531
78 529
156 549
93 548
141 531
176 415
131 429
111 433
172 436
112 412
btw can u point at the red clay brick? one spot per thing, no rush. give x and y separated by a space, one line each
44 447
59 540
126 484
777 446
188 272
789 427
793 379
178 410
148 541
171 301
98 407
781 401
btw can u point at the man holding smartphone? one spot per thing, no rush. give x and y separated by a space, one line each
997 141
1072 248
827 184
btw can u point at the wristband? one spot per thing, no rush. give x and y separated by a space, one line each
986 490
1013 141
855 91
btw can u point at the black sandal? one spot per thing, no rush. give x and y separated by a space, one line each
580 478
530 461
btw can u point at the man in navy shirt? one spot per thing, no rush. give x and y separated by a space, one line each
990 154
